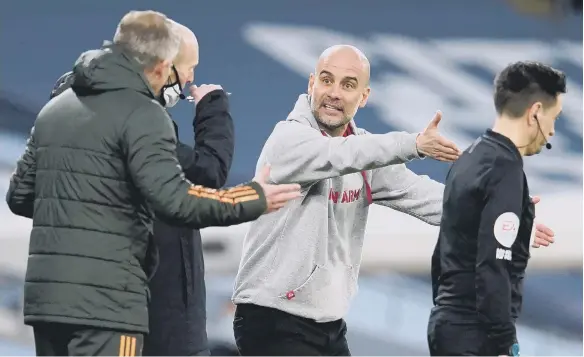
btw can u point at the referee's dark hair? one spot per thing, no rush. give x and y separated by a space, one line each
521 84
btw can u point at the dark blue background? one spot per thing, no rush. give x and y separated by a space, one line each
41 39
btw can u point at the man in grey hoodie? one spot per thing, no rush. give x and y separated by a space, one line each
299 267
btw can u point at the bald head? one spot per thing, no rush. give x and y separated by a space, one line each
348 54
189 46
188 55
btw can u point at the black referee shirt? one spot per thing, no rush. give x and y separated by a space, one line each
483 246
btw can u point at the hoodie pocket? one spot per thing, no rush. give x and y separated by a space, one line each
290 294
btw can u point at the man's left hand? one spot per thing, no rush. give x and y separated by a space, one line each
544 236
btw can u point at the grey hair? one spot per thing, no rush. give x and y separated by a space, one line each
149 36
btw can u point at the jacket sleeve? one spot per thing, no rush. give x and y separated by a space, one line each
150 146
20 196
300 154
209 162
399 188
521 257
499 226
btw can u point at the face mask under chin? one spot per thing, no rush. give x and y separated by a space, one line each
171 95
172 91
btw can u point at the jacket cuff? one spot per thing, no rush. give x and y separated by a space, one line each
217 94
253 209
419 154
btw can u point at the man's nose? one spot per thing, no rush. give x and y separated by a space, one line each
335 92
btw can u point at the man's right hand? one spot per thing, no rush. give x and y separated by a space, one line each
276 195
431 143
199 92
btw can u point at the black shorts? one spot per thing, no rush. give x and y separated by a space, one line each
55 339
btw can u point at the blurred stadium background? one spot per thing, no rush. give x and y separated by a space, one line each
426 55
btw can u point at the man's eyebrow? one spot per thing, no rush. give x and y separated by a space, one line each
325 72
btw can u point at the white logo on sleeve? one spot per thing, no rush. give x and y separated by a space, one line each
506 228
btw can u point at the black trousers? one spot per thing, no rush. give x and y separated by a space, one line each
262 331
55 339
452 332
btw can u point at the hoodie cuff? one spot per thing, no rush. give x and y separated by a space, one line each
419 154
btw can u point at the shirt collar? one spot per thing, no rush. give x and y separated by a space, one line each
504 141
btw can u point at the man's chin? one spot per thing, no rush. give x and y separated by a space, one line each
535 152
330 123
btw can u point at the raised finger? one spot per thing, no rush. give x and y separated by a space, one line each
449 157
540 241
447 149
275 190
544 229
285 197
276 206
544 237
439 157
446 157
449 144
288 187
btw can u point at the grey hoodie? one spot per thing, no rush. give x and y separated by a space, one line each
304 259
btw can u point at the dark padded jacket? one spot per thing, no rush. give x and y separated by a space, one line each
100 161
178 306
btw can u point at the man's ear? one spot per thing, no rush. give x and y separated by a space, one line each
364 97
310 84
162 69
533 112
